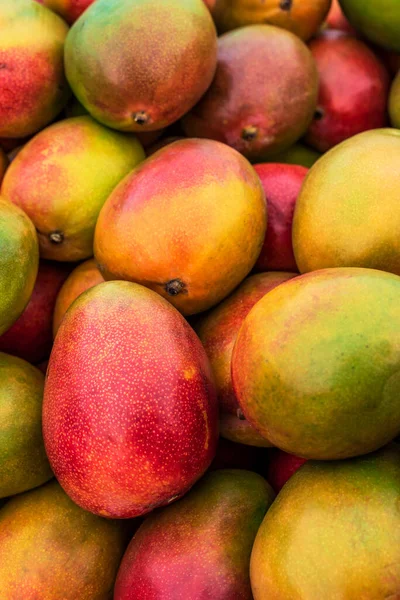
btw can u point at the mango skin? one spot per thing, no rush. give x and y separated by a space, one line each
298 154
217 331
52 549
264 93
301 17
315 364
377 20
82 278
394 102
62 178
189 224
69 10
19 260
201 545
333 532
33 88
4 162
347 213
125 79
130 412
23 461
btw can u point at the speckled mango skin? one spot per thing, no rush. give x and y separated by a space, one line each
130 412
217 331
69 10
333 532
200 547
347 213
84 277
23 461
378 21
62 178
51 549
394 102
301 17
33 88
264 93
19 260
316 363
140 58
194 212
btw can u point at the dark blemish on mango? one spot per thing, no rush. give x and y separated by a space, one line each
56 237
175 287
319 113
249 133
141 117
286 4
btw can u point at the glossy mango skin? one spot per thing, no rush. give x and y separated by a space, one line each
62 178
52 549
188 223
316 363
377 20
130 412
263 96
200 547
23 461
139 65
82 278
301 17
33 89
19 260
347 213
333 532
217 331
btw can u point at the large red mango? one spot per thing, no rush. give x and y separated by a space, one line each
130 412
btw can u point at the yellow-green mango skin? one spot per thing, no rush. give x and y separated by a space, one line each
377 20
394 102
19 262
298 154
348 211
53 550
316 364
62 178
333 533
23 460
200 546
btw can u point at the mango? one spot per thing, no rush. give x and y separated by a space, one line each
33 88
52 549
19 260
62 178
337 20
377 20
394 102
281 467
130 413
82 278
347 213
3 164
217 331
333 532
139 65
298 154
31 336
188 223
353 92
69 10
263 96
301 17
316 363
200 547
23 461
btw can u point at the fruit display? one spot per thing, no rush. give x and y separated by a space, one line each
199 300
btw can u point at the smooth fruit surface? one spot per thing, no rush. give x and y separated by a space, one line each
69 10
315 366
264 93
189 223
84 277
62 178
333 532
281 467
23 461
347 213
52 549
298 154
33 89
282 184
4 162
301 17
394 102
337 20
353 92
377 20
139 65
201 545
130 411
19 260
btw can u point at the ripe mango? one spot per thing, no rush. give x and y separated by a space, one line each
69 10
377 20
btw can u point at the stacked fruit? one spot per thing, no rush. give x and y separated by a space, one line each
199 247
